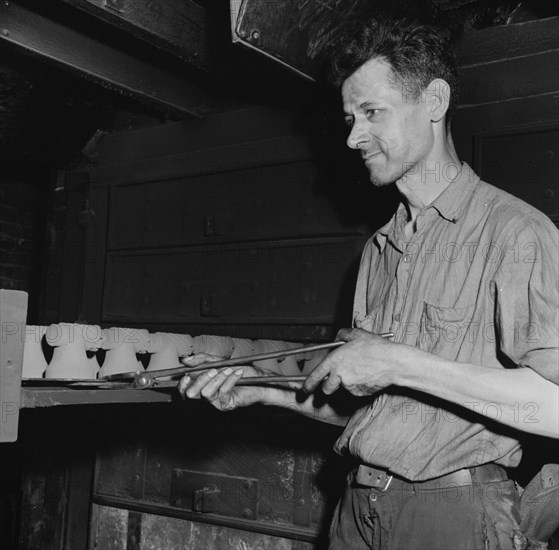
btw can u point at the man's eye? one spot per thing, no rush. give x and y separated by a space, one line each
371 112
348 122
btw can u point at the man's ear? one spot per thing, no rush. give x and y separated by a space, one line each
437 97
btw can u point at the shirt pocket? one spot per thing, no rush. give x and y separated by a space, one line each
442 330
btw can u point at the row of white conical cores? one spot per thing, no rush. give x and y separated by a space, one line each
73 350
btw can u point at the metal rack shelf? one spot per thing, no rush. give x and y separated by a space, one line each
33 397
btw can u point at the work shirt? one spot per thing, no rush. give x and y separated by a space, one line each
476 283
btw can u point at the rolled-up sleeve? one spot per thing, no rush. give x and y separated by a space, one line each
526 286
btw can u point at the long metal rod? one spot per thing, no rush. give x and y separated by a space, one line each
145 379
245 381
256 380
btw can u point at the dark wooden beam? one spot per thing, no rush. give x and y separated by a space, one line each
177 26
508 41
91 58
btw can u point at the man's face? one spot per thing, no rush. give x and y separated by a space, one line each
392 131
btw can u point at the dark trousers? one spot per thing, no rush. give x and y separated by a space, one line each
468 517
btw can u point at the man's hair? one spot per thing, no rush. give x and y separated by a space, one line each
416 54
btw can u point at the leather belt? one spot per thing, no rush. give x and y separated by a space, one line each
383 479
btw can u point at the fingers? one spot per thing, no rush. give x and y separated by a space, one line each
331 384
317 376
231 380
220 383
211 389
199 359
349 334
345 334
209 384
183 384
197 384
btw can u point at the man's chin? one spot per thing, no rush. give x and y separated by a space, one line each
380 180
380 173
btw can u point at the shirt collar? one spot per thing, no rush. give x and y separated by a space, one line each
449 205
451 202
388 231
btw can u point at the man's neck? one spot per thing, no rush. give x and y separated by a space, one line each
426 181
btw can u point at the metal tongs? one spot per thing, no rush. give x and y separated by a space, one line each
147 379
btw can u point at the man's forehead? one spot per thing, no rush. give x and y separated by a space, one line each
372 81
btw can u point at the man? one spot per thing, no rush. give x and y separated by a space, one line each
465 276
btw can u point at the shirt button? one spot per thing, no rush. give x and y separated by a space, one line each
407 259
397 317
372 498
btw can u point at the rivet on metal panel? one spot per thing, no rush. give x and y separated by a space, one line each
177 474
116 5
548 193
247 512
209 225
301 502
136 477
255 35
209 306
5 32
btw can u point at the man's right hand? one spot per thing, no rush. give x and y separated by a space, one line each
218 386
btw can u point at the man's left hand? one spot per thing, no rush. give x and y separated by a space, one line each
363 366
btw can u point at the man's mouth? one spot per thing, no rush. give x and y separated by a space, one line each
369 157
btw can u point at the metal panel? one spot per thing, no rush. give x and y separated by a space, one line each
258 203
287 464
108 528
120 471
208 492
13 314
292 33
117 529
262 282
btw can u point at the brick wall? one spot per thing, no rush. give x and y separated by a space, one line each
21 232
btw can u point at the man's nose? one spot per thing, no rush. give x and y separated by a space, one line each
356 137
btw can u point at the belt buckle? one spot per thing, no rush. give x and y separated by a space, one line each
371 477
387 483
